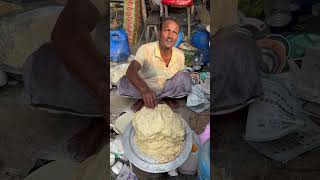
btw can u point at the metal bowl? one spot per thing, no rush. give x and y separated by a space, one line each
146 163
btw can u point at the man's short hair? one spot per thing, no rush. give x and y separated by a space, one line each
164 19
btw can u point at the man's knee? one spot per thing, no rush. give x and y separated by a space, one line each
183 80
184 77
182 74
126 88
123 81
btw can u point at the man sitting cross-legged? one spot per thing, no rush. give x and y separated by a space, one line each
157 72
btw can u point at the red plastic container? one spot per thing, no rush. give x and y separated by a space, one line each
178 2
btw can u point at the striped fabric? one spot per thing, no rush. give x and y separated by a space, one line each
132 19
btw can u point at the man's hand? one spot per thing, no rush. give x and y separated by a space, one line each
149 98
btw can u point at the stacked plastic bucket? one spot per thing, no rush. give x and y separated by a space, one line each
200 39
277 12
119 46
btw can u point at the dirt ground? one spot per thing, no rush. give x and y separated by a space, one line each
234 159
27 135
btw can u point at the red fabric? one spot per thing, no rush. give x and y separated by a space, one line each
178 2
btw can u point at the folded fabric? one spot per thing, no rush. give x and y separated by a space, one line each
23 33
234 70
312 109
306 77
277 113
197 99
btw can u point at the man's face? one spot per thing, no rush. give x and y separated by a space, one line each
169 34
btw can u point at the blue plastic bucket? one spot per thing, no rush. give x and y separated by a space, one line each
200 39
204 161
205 56
179 40
119 45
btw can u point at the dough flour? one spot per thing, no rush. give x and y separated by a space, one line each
159 133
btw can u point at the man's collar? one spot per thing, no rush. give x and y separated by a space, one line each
157 50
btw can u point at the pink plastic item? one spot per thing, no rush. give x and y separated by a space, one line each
178 2
205 134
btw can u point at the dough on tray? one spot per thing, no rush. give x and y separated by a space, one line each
159 133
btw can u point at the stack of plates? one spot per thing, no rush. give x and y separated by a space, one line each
275 50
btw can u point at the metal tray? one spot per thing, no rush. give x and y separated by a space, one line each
146 163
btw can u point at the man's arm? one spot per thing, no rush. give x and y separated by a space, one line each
75 47
149 97
135 79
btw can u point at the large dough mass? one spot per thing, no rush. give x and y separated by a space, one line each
159 133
